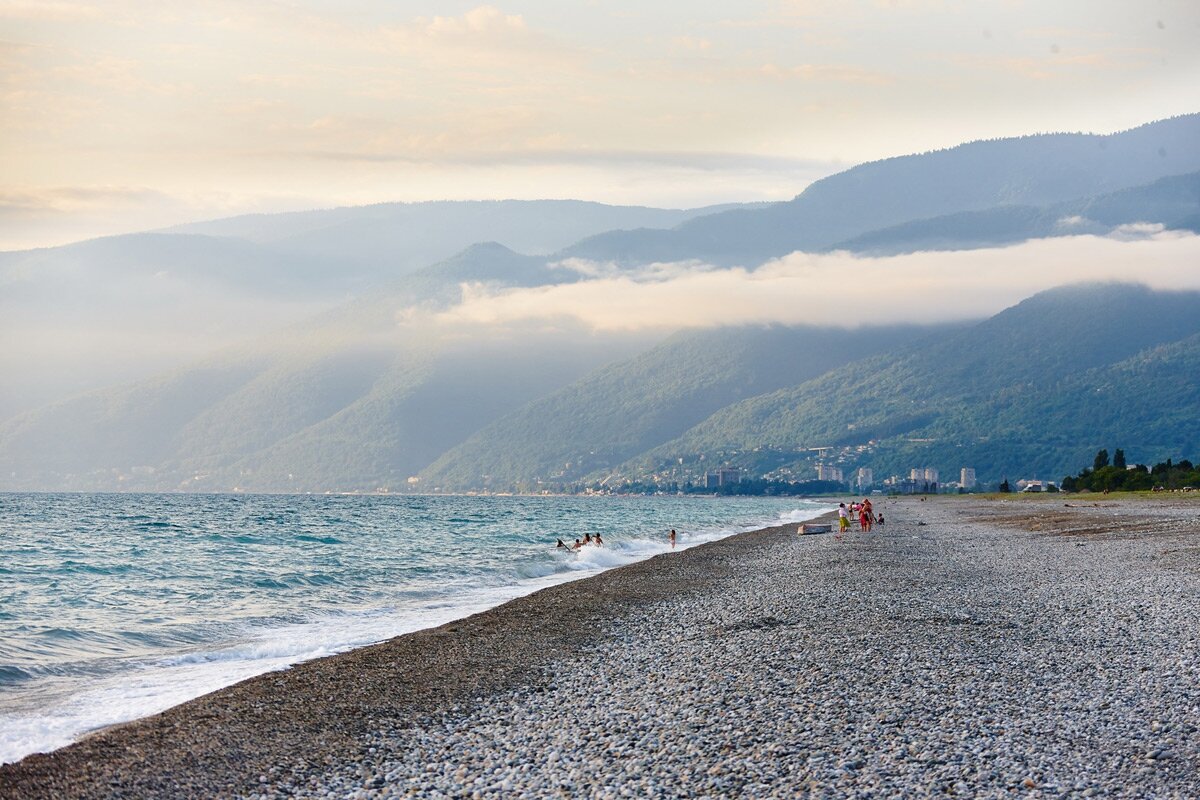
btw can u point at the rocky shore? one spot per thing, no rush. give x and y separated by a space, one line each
1040 647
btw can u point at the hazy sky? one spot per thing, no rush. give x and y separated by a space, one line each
127 115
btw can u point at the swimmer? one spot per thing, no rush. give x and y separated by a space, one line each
599 542
561 545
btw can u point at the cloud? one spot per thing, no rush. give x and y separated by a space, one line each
826 72
839 288
49 10
476 36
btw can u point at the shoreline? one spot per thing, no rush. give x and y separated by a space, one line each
125 694
321 720
422 694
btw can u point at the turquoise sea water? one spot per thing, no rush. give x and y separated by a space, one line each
116 606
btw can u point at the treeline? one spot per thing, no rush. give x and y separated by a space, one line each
1118 476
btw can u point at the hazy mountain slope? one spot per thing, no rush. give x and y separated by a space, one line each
1173 202
352 399
1033 171
413 414
96 313
394 238
957 390
103 439
628 407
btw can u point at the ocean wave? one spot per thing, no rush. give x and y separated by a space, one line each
201 612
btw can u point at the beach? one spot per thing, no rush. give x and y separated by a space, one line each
1043 646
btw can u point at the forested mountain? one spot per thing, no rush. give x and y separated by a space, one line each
1026 390
95 313
625 409
350 399
1028 171
332 389
1172 202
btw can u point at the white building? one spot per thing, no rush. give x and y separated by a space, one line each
865 478
826 472
931 475
966 478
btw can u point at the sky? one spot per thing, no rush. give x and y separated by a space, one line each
122 116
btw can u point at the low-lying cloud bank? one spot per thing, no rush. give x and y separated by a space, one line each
840 288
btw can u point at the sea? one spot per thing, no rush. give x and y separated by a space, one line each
118 606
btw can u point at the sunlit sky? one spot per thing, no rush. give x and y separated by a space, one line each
120 116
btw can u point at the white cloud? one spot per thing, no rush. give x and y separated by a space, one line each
839 288
47 9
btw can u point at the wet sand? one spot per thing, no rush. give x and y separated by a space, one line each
702 651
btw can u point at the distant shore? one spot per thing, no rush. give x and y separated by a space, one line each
971 645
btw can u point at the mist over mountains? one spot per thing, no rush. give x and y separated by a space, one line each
555 346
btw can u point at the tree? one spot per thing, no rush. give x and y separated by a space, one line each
1101 460
1004 487
1119 459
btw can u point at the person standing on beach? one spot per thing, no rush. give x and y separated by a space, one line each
672 538
865 515
843 519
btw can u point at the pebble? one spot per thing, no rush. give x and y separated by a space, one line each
972 660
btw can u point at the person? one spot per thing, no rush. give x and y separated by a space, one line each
587 538
843 519
879 519
866 515
578 545
599 542
561 545
672 538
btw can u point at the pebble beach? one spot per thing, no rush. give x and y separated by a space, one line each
1029 647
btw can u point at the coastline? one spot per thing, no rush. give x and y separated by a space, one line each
809 600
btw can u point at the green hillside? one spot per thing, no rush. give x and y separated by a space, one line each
629 407
1027 390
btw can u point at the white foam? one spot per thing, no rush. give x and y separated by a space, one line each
157 685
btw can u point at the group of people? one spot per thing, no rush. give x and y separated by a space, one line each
595 541
587 541
860 511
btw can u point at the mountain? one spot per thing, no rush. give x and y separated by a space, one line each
99 312
390 239
1172 202
1034 171
358 397
627 408
1024 391
277 370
